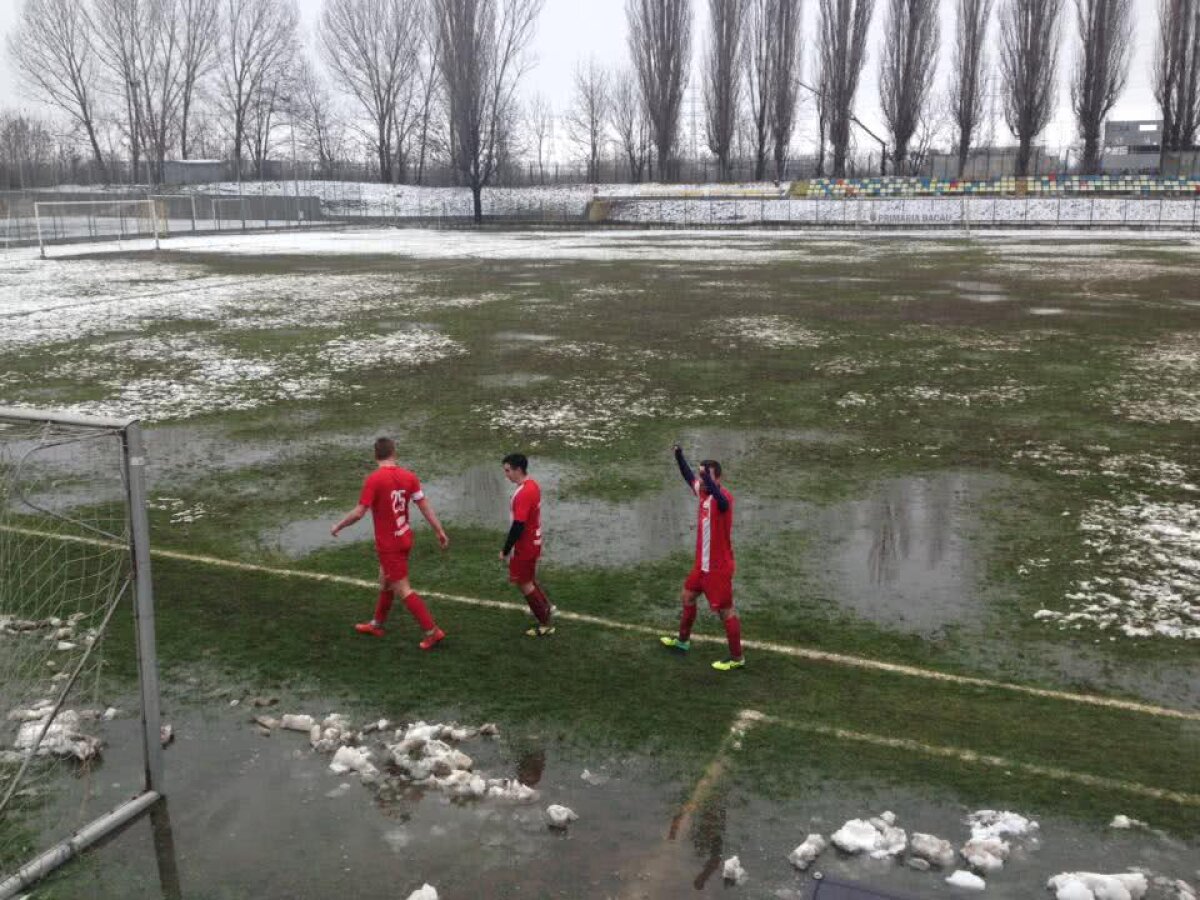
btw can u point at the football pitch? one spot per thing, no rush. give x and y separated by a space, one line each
967 530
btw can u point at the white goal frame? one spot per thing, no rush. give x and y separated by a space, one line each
133 462
52 204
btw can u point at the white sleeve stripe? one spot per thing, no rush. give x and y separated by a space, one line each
418 496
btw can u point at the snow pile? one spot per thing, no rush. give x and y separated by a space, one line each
987 849
878 837
771 332
1090 886
424 892
732 871
63 737
1160 382
560 816
966 880
589 411
930 850
1125 823
1146 556
420 754
805 854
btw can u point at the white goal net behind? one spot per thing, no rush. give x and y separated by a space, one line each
73 566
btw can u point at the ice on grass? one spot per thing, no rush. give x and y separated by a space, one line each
424 892
806 853
560 816
511 791
732 871
968 881
1122 822
595 779
1092 886
352 759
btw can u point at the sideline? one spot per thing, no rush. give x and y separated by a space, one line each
792 650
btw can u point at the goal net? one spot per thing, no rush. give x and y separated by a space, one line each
97 220
73 569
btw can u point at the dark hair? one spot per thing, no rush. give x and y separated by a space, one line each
712 465
517 461
385 448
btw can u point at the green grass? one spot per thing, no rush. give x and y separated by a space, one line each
892 328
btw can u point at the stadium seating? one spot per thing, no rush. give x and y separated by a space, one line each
1006 185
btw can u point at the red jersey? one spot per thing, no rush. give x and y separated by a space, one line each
714 533
526 506
387 492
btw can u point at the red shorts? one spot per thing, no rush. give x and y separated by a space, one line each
394 564
521 571
717 587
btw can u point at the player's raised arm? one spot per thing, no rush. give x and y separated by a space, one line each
714 488
431 517
353 516
684 469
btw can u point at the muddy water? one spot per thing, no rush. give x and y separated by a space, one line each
904 555
264 817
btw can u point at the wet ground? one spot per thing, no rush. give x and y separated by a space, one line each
263 816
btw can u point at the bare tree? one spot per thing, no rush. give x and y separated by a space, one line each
843 41
258 39
1029 39
539 122
160 66
268 105
370 46
822 99
910 47
970 79
26 146
722 78
660 45
629 123
1101 70
785 76
200 40
55 53
120 27
482 55
757 59
429 89
321 130
587 120
1177 73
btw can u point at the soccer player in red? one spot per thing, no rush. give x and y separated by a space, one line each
386 492
712 574
523 546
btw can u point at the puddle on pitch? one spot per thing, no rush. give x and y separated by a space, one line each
903 557
264 817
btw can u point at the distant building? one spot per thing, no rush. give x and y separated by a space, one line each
1132 147
1136 137
193 171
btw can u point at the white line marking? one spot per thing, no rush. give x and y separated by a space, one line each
806 653
972 757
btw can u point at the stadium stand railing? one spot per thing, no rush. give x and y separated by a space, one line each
1001 186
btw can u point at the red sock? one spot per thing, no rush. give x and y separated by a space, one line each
686 621
420 612
383 606
733 632
539 603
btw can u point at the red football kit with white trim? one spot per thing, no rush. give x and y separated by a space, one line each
387 492
712 573
526 506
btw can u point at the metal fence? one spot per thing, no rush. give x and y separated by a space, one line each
67 216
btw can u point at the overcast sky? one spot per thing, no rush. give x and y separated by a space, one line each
571 30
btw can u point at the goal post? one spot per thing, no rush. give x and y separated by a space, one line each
74 552
95 220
